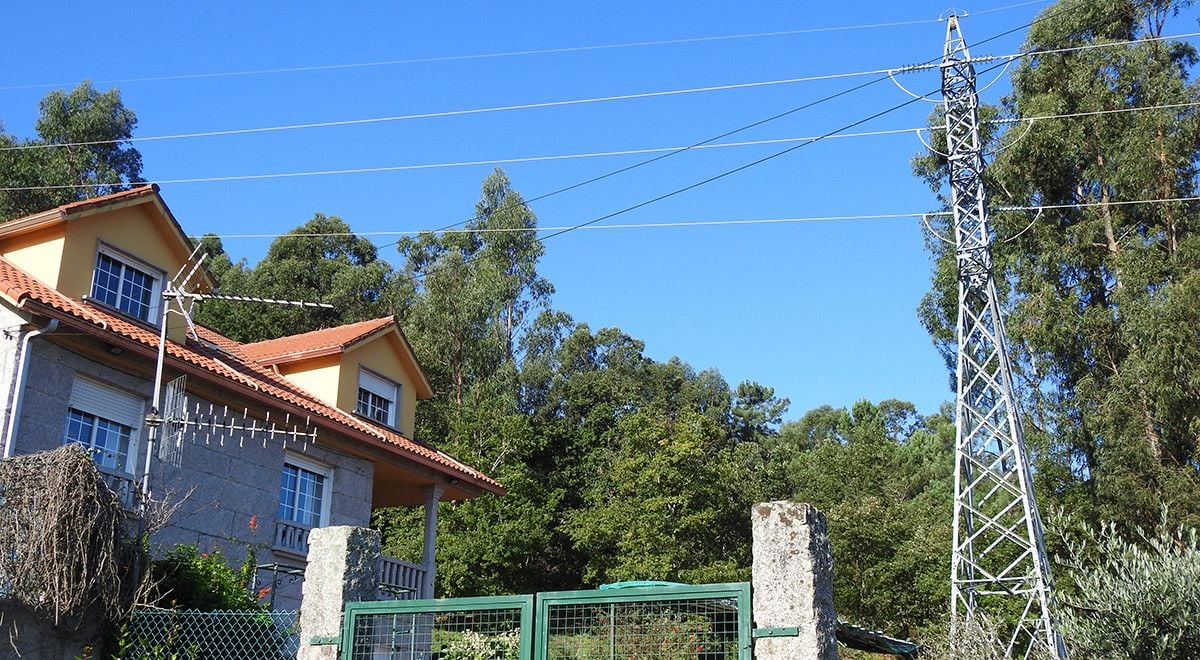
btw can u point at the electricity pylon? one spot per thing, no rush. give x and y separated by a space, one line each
999 560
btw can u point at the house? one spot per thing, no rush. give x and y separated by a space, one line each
282 435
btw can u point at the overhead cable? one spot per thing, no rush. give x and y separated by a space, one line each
596 154
515 53
571 102
694 223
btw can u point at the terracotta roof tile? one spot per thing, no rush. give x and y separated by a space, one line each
22 288
316 341
132 193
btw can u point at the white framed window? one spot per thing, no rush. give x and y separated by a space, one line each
106 421
378 398
126 284
305 490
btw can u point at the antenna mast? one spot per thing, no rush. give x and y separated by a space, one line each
170 427
999 559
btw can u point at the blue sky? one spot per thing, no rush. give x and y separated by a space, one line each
822 311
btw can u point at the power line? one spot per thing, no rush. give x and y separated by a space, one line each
445 113
516 53
593 154
699 223
420 277
778 154
570 102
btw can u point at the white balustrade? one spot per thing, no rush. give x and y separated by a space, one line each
291 537
400 578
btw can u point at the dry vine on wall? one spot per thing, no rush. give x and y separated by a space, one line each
68 555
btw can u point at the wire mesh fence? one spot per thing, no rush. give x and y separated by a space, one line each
224 635
665 629
457 629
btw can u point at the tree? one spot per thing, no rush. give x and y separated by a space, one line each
319 261
1101 295
756 410
886 490
82 150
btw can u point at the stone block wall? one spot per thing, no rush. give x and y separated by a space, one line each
219 485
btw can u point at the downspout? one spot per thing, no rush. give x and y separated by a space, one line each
19 391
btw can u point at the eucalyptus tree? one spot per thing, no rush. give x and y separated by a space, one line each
81 150
1101 285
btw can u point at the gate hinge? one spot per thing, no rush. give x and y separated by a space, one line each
792 631
325 640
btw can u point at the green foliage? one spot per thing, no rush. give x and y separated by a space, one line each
661 505
1133 597
336 267
468 645
883 476
189 579
82 115
981 638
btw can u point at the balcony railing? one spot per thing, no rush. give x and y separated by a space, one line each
291 537
123 486
399 579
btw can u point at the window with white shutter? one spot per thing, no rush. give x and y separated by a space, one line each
106 421
378 398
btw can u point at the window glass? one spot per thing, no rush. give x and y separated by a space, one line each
301 495
374 406
107 440
124 287
377 397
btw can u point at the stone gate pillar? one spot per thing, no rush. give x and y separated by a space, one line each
342 565
793 583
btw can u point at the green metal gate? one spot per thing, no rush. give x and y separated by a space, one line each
499 627
672 622
660 622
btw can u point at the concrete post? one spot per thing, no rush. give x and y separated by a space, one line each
342 565
433 495
793 582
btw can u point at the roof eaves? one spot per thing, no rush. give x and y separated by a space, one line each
315 410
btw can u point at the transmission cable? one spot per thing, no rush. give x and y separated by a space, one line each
594 154
484 56
571 102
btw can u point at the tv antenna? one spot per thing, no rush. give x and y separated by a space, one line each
169 421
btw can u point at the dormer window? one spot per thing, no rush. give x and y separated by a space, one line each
377 398
126 285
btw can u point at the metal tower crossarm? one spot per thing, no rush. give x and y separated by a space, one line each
999 562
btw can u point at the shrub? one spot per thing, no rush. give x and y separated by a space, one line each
1133 598
189 579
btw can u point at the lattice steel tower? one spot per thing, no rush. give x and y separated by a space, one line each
999 560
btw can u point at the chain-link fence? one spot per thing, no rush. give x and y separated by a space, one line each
223 635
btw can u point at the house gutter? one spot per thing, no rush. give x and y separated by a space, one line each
14 417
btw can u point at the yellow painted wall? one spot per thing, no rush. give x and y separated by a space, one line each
132 230
64 255
318 376
38 253
381 355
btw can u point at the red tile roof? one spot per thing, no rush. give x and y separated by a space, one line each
136 191
314 343
254 380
